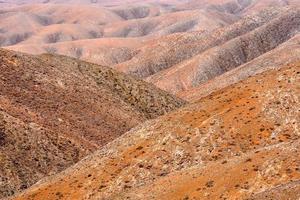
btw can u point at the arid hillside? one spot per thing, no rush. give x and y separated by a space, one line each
163 53
225 57
149 99
248 132
103 51
64 28
287 52
178 62
54 110
46 26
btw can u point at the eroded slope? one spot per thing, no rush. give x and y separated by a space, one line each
165 52
287 52
234 53
237 143
55 110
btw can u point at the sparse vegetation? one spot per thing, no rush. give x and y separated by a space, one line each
71 129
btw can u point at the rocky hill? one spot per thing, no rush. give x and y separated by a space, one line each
233 53
54 110
165 52
287 52
186 99
248 132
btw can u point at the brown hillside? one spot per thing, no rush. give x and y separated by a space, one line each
103 51
168 51
234 53
55 110
240 7
238 143
286 53
67 28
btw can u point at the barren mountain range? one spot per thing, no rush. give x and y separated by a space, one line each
149 99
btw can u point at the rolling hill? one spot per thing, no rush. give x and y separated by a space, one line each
149 99
49 25
54 110
165 52
59 28
248 132
225 57
287 52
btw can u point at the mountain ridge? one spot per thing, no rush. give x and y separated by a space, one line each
65 109
245 131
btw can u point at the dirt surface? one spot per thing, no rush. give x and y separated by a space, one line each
187 99
55 110
234 53
241 142
287 52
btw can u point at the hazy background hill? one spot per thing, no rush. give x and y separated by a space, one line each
102 31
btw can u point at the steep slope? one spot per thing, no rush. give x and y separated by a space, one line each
287 52
225 57
54 110
165 52
237 143
29 151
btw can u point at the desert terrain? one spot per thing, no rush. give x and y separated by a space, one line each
149 99
247 132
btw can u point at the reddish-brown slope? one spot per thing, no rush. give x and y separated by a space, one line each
29 151
238 178
237 143
55 110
